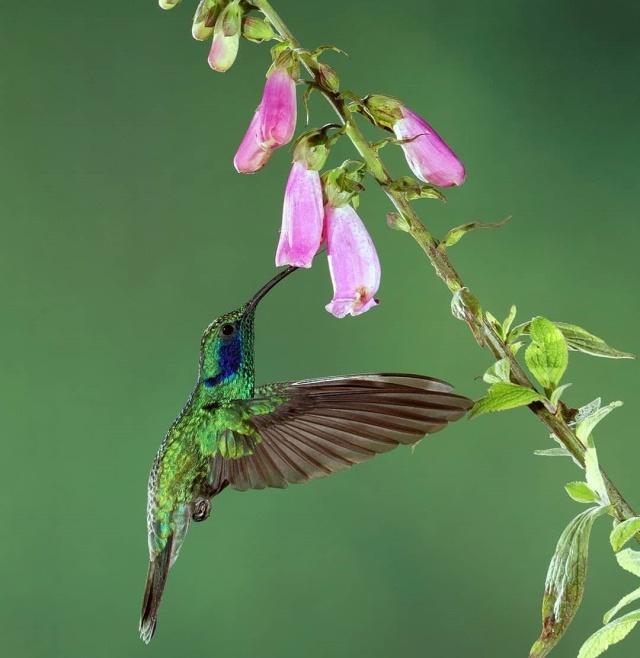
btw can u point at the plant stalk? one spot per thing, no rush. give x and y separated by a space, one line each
439 259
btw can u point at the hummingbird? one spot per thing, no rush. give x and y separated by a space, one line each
232 433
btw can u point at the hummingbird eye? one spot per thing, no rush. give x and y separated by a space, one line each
227 330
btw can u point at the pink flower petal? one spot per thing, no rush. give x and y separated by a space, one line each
302 218
429 157
251 156
355 306
278 118
353 262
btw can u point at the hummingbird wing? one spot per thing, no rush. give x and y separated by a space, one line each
312 428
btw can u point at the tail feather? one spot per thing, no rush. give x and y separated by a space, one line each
156 580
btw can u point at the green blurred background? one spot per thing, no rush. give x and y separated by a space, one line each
125 230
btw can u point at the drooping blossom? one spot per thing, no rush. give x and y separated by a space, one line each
427 154
273 123
226 38
278 109
353 262
251 156
302 217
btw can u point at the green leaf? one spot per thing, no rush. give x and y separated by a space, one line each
415 190
581 340
515 347
624 601
564 585
629 560
305 99
588 409
557 393
547 356
493 321
585 425
506 325
519 330
328 47
503 396
552 452
426 192
581 492
379 145
610 634
498 372
593 474
456 234
623 532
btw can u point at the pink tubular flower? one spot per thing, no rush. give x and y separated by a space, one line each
353 262
251 156
278 109
272 125
302 217
429 157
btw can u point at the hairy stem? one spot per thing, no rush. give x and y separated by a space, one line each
439 258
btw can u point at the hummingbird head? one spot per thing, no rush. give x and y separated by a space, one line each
226 349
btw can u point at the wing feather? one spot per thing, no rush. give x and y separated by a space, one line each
321 426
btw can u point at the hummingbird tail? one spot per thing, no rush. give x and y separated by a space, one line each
156 579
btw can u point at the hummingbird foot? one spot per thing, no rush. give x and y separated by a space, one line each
201 510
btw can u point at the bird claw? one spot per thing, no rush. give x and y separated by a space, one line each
201 510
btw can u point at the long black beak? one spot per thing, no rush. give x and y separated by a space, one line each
253 302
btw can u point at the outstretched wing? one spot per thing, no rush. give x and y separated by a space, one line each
312 428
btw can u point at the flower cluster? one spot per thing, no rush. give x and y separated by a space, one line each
319 210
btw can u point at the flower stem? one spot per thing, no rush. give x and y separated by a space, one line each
439 258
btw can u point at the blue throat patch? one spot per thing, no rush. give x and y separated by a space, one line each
229 359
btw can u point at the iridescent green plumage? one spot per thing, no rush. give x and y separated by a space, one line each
232 434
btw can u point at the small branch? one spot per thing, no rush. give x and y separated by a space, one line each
439 258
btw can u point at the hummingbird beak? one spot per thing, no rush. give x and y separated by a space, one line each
253 302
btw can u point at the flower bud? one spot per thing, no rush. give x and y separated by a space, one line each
256 30
232 19
397 222
328 77
204 19
353 262
384 110
428 156
226 38
302 218
168 4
